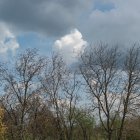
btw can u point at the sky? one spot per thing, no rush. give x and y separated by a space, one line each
66 26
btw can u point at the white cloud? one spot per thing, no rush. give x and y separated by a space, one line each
70 46
8 41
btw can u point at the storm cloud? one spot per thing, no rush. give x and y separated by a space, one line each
97 20
52 17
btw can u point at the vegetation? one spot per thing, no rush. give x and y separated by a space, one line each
42 98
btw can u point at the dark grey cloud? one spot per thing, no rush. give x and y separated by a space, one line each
54 17
97 20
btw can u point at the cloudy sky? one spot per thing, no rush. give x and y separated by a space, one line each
66 26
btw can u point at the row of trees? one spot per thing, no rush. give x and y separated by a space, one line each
42 98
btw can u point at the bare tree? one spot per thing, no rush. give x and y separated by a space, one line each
61 87
131 83
110 85
20 83
51 83
70 89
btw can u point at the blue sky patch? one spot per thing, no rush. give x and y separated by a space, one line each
103 6
33 40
